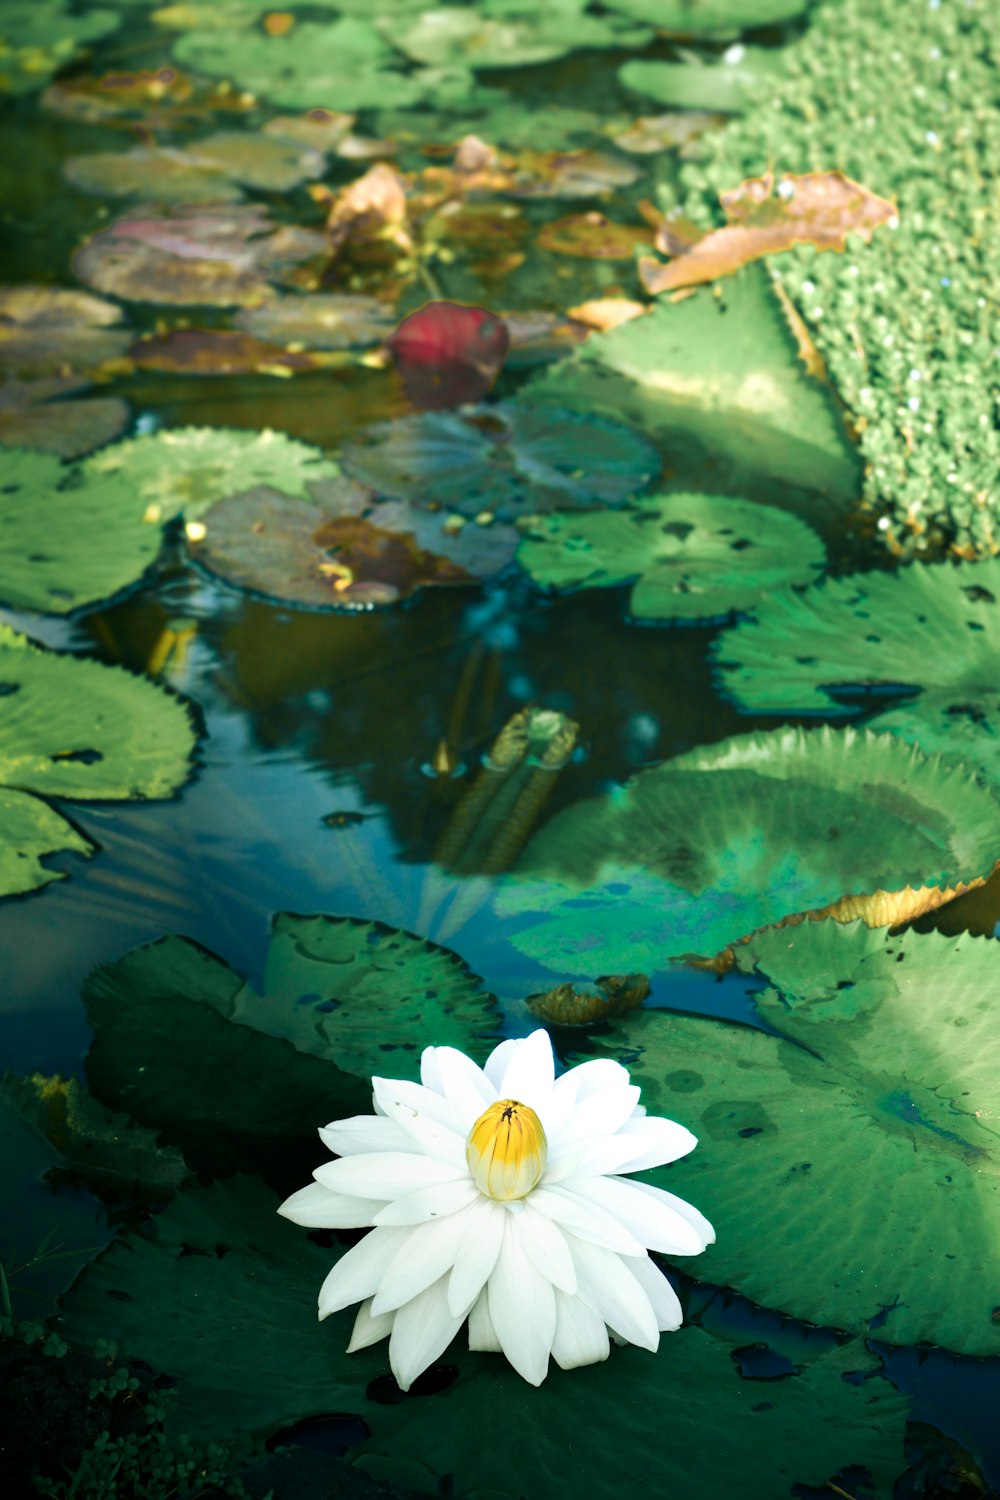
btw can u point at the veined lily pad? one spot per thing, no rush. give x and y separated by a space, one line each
225 1283
929 632
74 728
344 550
33 416
509 460
694 556
724 370
692 855
212 170
333 320
892 1109
710 17
47 330
38 37
507 36
723 86
187 469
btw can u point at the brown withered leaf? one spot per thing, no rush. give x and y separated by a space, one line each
604 313
216 351
594 237
822 208
373 205
32 415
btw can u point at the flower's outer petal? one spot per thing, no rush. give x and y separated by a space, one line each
425 1116
482 1335
385 1174
531 1071
429 1252
662 1297
434 1202
600 1115
358 1273
600 1074
523 1308
607 1285
364 1134
663 1141
369 1330
421 1332
545 1246
559 1106
581 1336
464 1085
653 1220
687 1211
477 1254
496 1064
584 1219
592 1158
316 1207
430 1070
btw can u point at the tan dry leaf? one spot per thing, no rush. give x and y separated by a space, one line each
372 205
604 313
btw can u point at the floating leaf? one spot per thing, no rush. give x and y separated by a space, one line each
710 17
32 415
594 237
213 170
819 208
932 633
216 351
724 86
323 129
448 354
154 98
693 556
508 460
613 995
676 129
537 337
888 1104
76 729
724 371
345 551
48 330
38 37
450 36
334 320
692 855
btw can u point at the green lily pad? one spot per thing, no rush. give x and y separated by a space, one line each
693 556
74 728
344 550
509 460
710 17
225 1283
38 37
931 633
46 330
509 35
331 320
213 170
724 370
886 1109
694 854
33 415
187 469
727 85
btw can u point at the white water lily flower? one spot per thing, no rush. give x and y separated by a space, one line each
495 1194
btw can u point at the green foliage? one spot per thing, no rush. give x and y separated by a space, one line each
38 37
694 854
709 18
507 33
693 556
726 85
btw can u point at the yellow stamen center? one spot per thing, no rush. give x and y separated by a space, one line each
507 1151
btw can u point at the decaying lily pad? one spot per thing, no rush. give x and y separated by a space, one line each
450 36
693 855
47 330
888 1101
331 320
34 415
694 556
509 460
213 170
671 131
344 550
929 633
594 237
38 37
216 351
72 728
612 995
199 255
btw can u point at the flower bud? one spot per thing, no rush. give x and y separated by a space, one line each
507 1151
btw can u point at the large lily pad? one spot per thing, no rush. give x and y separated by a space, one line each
931 633
724 370
38 37
884 1116
47 330
710 17
692 556
511 35
213 170
33 415
225 1283
725 85
344 550
332 320
510 460
692 855
77 729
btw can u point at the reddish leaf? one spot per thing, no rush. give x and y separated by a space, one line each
448 354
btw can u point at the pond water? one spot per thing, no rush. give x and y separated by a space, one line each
614 541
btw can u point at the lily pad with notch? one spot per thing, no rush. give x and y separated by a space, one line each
213 170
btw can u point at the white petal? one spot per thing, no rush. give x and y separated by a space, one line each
495 1065
421 1332
428 1253
369 1330
384 1174
433 1202
584 1219
600 1074
531 1071
545 1245
365 1133
581 1336
464 1085
559 1106
593 1158
358 1273
653 1220
687 1211
316 1207
607 1285
523 1308
663 1141
426 1117
477 1254
430 1069
482 1335
662 1297
600 1115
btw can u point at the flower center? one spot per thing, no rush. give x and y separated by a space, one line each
507 1151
